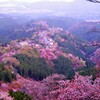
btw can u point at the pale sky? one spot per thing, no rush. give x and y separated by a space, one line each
36 0
82 9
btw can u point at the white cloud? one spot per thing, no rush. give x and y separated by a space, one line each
15 5
7 5
43 0
6 1
35 0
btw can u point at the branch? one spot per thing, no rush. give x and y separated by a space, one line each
94 1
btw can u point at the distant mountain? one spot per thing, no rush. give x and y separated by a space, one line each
8 22
62 22
88 31
14 27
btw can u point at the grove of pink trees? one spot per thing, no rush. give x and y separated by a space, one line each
55 87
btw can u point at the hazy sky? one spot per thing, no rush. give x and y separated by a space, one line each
35 0
72 8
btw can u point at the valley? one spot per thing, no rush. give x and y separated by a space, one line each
50 59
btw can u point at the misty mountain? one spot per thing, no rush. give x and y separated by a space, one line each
86 31
62 22
14 27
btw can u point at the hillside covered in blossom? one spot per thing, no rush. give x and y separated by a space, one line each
49 50
42 60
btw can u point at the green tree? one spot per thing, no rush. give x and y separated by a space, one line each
35 68
64 66
19 95
6 75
